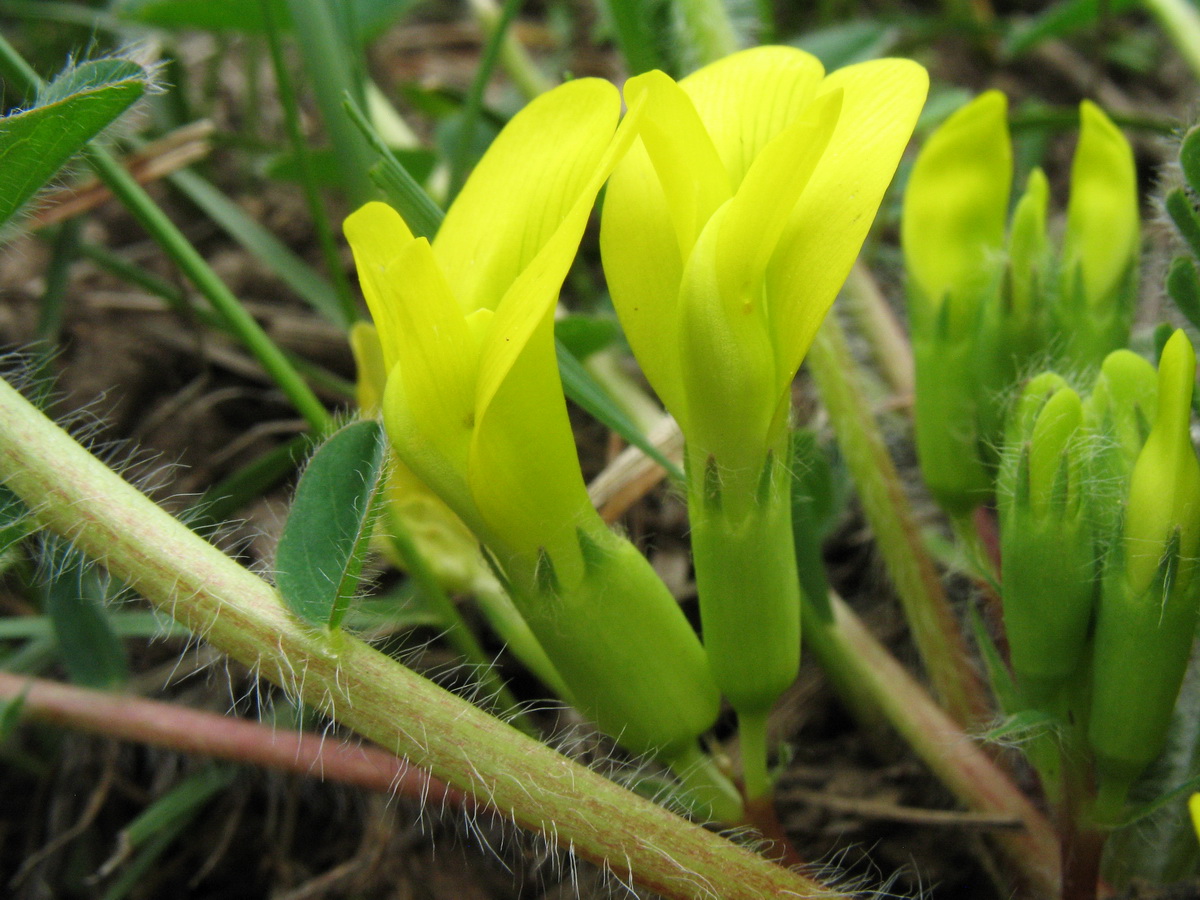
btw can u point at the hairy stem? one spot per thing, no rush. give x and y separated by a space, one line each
221 737
934 626
74 494
871 681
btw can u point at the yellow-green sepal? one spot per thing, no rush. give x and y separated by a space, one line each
621 643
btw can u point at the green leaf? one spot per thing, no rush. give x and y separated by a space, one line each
643 29
585 335
181 802
1003 687
369 17
1189 159
295 272
286 166
402 191
849 42
1183 286
328 530
138 623
1061 20
74 601
152 832
78 105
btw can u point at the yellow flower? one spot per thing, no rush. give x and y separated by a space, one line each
474 407
730 226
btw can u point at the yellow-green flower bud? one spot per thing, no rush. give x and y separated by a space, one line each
1147 616
1047 547
1098 268
1118 413
982 303
955 209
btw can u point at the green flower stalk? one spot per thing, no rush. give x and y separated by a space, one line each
727 231
988 298
474 407
1151 592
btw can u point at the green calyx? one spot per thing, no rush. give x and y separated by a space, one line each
616 636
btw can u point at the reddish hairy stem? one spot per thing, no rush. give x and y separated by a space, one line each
221 737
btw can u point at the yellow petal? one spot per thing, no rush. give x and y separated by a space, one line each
530 178
643 268
768 194
727 352
376 234
437 361
529 299
956 202
747 98
1102 213
726 360
524 472
881 103
368 359
691 173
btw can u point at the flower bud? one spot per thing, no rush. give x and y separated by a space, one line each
1047 543
1098 268
1147 616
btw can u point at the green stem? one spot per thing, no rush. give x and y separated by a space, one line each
707 791
456 629
316 209
872 682
208 734
526 782
328 57
708 32
752 736
877 323
516 60
498 35
1181 21
934 627
171 239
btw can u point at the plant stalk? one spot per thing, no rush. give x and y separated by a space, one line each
74 494
220 737
172 240
871 681
934 626
1181 21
